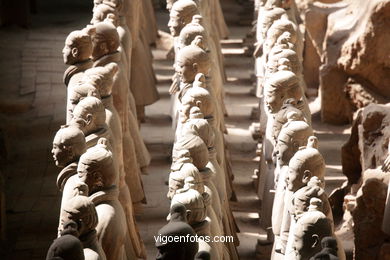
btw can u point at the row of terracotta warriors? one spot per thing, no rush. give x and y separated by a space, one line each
100 149
200 184
291 172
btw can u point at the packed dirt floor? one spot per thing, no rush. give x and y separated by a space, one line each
32 106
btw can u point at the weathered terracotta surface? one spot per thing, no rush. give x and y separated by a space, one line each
366 148
355 70
368 214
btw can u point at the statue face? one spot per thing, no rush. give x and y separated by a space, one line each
86 175
74 99
175 24
82 120
274 100
285 152
62 155
294 180
184 111
99 48
97 17
96 3
187 72
70 53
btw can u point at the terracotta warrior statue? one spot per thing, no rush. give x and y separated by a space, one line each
181 14
265 19
181 168
105 51
68 245
301 198
101 78
96 169
216 76
89 116
82 210
212 175
191 30
190 61
68 145
294 134
196 204
311 228
177 226
306 163
289 106
280 86
76 53
199 96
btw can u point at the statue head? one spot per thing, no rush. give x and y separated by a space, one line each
81 210
330 246
193 200
293 135
305 163
79 92
199 126
191 60
282 27
191 30
101 12
198 96
78 46
68 145
277 58
289 106
105 40
181 14
301 198
96 167
96 3
89 115
197 148
278 87
177 227
101 78
310 229
179 174
67 246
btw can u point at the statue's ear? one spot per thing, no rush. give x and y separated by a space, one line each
188 213
306 176
103 46
89 119
75 52
195 67
315 240
198 103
